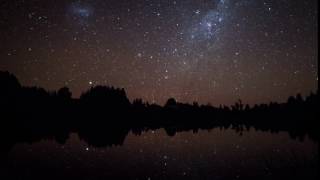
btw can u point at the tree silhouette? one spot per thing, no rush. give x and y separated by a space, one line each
171 102
64 93
33 113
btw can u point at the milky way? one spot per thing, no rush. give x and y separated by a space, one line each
211 51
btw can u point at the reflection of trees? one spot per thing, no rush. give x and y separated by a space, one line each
103 116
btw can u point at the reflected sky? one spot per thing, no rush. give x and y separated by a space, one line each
154 155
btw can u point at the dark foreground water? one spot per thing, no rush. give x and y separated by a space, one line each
215 154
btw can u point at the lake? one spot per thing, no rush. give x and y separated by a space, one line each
214 154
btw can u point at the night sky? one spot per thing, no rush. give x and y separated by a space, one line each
214 51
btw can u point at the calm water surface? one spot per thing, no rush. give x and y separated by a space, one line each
215 154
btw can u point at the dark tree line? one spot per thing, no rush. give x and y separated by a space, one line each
31 113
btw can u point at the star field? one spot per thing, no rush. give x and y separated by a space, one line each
211 51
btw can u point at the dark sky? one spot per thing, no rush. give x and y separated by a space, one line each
213 51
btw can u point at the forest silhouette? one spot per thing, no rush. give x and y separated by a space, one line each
103 116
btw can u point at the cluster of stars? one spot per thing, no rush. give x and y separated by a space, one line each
213 51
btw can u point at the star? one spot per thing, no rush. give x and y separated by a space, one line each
166 46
